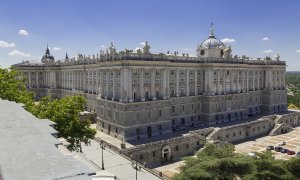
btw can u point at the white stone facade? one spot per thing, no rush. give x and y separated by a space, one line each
138 95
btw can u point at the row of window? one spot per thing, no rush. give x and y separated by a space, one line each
246 133
141 157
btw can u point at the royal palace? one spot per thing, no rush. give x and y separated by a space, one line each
139 94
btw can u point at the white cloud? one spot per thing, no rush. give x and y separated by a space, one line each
227 40
143 43
23 32
18 54
103 46
265 39
56 49
298 51
5 44
268 51
186 49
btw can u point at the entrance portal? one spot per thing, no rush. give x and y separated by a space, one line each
109 128
149 131
166 153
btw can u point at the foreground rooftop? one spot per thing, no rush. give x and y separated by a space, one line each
29 148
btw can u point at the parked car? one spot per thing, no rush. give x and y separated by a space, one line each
269 148
278 148
290 152
298 154
282 143
284 150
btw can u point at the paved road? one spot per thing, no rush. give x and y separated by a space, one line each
114 163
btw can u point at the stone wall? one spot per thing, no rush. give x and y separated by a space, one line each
165 151
187 144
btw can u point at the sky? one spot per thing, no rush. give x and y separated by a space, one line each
255 28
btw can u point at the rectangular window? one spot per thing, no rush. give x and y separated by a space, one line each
159 127
137 131
159 113
173 109
153 153
172 72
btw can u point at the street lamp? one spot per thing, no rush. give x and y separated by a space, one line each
136 167
102 147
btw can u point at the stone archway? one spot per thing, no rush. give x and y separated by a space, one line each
295 121
166 153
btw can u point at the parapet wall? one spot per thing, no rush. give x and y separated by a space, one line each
168 150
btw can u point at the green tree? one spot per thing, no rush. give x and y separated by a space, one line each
293 165
65 112
219 161
12 87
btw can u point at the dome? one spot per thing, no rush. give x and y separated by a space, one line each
211 47
47 56
212 43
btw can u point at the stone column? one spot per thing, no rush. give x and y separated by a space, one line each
81 80
153 84
76 80
168 83
276 79
243 81
224 81
114 84
37 79
124 85
280 79
196 82
187 82
232 81
283 79
130 85
107 83
258 80
164 83
218 81
142 85
62 80
247 80
253 80
177 83
92 82
237 80
208 82
29 79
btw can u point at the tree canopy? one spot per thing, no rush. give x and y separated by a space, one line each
64 112
12 87
219 161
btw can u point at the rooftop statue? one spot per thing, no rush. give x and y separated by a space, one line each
112 49
146 48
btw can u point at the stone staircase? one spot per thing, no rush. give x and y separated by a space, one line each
278 117
280 129
213 134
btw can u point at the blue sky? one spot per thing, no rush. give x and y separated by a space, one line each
256 28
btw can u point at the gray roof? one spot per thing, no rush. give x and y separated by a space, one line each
28 150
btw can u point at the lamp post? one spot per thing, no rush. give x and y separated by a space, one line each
102 147
136 167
